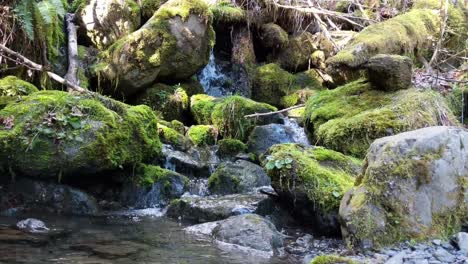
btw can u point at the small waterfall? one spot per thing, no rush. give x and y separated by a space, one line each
212 78
297 132
168 163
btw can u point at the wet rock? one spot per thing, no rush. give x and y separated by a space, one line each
390 72
196 161
421 172
107 21
461 239
40 196
32 225
263 137
249 230
237 177
213 208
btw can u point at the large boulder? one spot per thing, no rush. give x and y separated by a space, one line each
240 176
54 134
13 88
106 21
174 44
350 117
413 187
311 181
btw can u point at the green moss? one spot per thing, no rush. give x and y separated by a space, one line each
410 31
355 111
332 259
202 135
57 133
178 126
228 116
324 175
149 7
201 107
222 182
271 83
226 12
147 175
297 97
230 147
296 55
273 36
171 136
458 102
13 88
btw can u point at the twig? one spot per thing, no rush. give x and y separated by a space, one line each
442 32
274 112
444 79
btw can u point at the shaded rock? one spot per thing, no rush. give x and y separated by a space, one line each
109 20
421 172
249 230
174 44
296 54
196 161
240 176
32 225
311 181
271 82
154 187
263 137
390 72
57 135
273 36
213 208
230 147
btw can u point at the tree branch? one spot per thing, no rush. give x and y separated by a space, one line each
72 73
275 112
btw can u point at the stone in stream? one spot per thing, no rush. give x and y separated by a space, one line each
413 185
196 161
240 176
213 208
32 225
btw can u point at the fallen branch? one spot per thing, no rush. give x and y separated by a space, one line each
72 73
442 32
275 112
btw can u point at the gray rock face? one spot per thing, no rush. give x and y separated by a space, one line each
390 72
32 225
55 198
263 137
418 177
249 230
106 21
197 161
462 242
237 177
212 208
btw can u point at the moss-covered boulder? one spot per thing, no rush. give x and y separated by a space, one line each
230 147
226 12
312 180
237 177
403 34
414 186
54 134
203 135
296 54
390 72
271 83
174 138
106 21
273 36
350 117
171 101
173 45
153 186
227 114
13 88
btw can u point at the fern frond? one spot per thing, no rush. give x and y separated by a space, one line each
24 11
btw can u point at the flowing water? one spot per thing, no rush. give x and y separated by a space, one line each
115 239
214 81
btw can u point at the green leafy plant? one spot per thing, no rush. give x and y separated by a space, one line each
279 164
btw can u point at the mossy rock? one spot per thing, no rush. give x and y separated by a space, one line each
332 259
13 88
225 12
54 134
297 97
295 56
227 114
413 187
171 101
312 180
409 32
230 147
173 137
390 72
350 117
173 45
203 135
458 101
273 36
270 83
149 7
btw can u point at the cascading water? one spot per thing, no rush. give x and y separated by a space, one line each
212 78
297 132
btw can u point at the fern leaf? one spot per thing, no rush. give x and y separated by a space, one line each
25 14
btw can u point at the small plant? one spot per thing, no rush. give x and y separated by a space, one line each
278 163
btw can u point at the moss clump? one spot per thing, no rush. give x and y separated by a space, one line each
230 147
228 116
273 36
13 88
201 107
409 32
171 101
319 174
332 259
458 102
222 182
349 118
149 7
178 126
54 133
295 56
271 83
172 137
203 135
225 12
298 97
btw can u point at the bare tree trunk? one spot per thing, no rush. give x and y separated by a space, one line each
73 60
